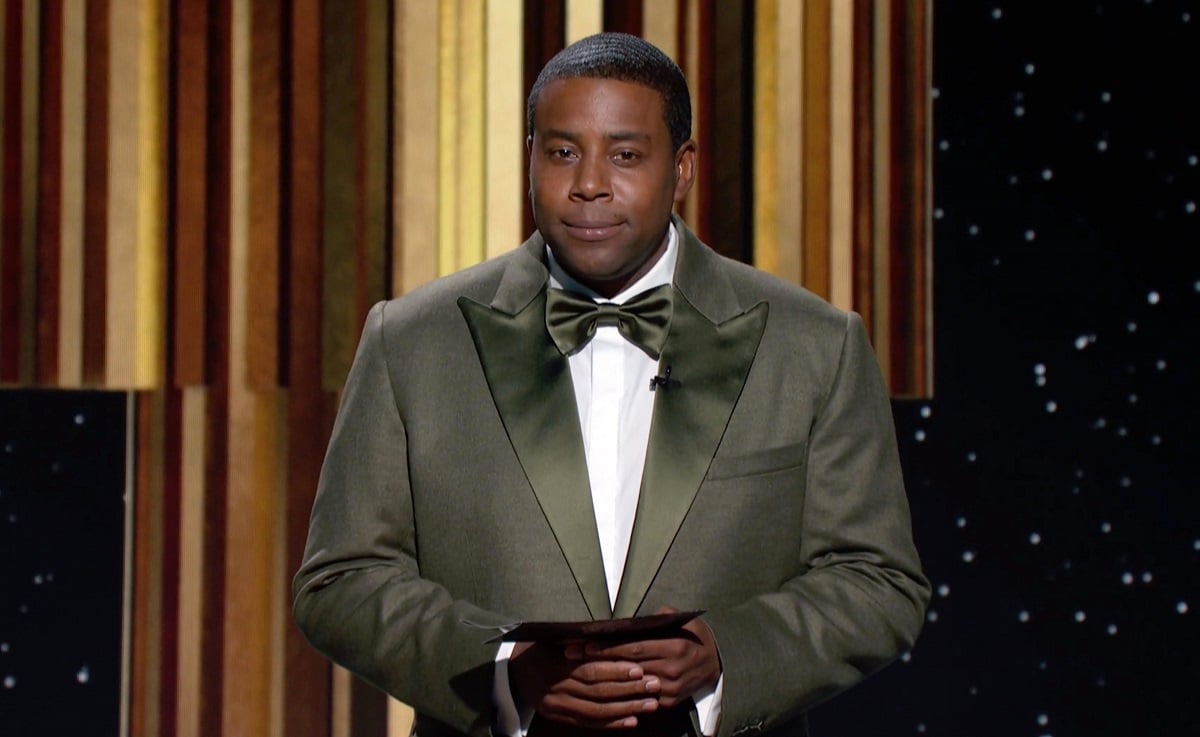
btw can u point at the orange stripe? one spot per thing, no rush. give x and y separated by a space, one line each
816 198
263 305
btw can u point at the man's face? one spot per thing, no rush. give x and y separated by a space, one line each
604 178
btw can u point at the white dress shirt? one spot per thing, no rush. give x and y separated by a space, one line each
611 377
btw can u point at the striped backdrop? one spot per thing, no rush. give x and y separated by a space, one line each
202 198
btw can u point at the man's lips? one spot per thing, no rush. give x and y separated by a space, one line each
591 231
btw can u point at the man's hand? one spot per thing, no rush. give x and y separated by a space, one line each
607 684
682 665
560 683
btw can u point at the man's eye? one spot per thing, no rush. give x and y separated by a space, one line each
561 153
627 156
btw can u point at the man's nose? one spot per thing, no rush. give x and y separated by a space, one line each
591 180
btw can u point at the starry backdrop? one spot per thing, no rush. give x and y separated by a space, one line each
62 537
1054 477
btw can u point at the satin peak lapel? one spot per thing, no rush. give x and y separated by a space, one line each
709 364
530 382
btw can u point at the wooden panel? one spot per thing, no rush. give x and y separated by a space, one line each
147 655
841 154
414 258
135 195
372 159
584 18
10 204
48 244
263 184
340 190
545 30
306 674
815 148
625 16
70 286
95 193
190 102
660 26
506 179
732 155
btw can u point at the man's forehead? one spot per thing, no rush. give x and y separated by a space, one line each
570 95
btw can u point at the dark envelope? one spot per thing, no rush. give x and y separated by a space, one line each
629 628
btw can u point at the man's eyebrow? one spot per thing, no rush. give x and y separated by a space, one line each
614 136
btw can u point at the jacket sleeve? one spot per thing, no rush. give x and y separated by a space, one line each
359 596
861 598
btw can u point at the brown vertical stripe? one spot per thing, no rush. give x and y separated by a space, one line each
910 153
49 210
262 303
863 226
171 490
10 236
545 27
732 155
340 188
816 147
217 361
190 107
705 115
623 16
95 195
148 532
306 711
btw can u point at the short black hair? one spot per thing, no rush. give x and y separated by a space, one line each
624 58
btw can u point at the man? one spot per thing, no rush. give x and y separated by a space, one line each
506 450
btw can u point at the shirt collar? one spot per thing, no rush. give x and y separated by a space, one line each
659 274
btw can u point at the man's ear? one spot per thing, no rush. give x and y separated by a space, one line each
685 169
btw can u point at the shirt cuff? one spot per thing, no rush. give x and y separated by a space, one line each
708 707
511 720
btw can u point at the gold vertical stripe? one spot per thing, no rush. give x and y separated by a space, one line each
505 126
584 17
447 168
31 133
790 94
881 336
189 701
691 66
841 155
70 290
660 24
416 144
470 172
135 194
151 165
340 703
121 291
766 130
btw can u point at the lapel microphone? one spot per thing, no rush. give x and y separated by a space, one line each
664 381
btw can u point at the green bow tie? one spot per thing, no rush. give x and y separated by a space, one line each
642 320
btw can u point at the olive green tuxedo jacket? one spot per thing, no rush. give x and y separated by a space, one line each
454 495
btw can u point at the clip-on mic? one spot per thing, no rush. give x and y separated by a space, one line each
663 381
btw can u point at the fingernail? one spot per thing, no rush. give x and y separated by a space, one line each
649 705
653 685
630 722
636 672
